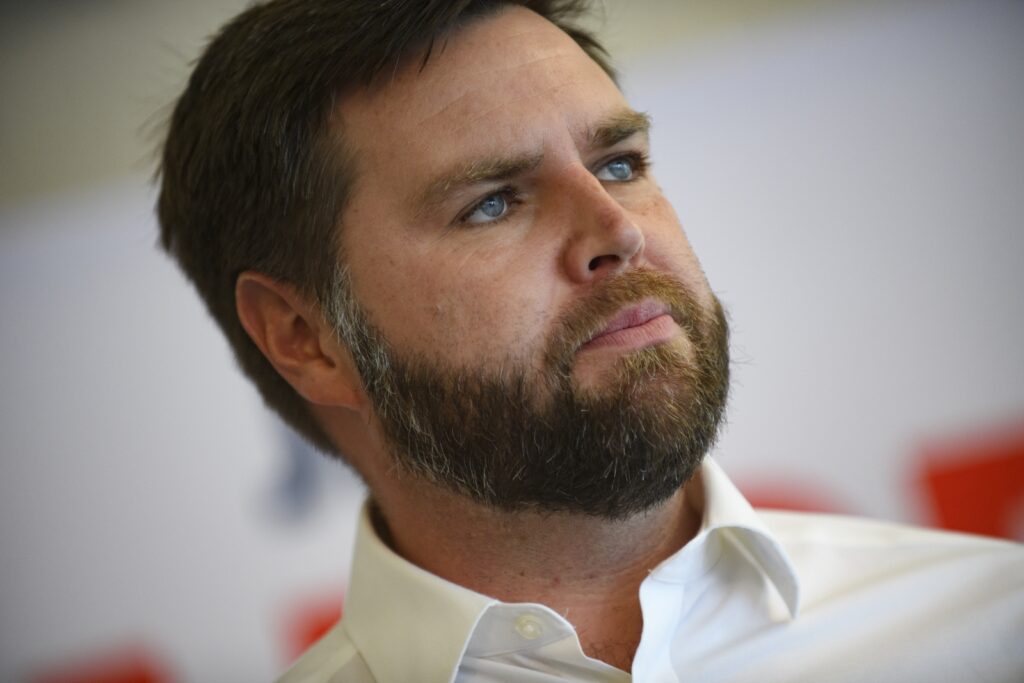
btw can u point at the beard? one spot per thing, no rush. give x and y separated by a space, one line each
515 439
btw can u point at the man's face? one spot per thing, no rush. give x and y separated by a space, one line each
502 229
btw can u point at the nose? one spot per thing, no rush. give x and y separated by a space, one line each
603 240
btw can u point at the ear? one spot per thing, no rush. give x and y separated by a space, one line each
293 335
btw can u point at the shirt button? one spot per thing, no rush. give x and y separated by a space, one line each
529 627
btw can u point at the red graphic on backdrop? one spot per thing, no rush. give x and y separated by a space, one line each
976 483
128 665
309 621
789 497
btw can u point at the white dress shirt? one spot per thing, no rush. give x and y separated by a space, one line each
759 597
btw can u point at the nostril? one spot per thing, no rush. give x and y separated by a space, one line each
598 261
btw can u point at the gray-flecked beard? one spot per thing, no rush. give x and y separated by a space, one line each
516 439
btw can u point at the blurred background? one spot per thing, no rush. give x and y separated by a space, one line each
850 173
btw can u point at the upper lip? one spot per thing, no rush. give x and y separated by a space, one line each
633 316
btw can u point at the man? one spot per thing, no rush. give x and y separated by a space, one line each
430 233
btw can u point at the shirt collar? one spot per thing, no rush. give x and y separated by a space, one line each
394 606
726 511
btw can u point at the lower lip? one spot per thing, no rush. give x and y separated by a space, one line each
654 331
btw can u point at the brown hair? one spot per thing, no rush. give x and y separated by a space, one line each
254 175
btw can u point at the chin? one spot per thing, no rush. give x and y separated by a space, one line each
660 370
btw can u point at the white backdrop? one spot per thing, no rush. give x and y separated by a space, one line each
853 181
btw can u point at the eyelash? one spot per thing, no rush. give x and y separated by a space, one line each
639 161
508 193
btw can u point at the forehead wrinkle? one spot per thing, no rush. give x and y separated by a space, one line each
494 72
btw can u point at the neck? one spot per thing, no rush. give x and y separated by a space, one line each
585 568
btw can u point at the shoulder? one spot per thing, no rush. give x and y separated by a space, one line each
332 659
927 605
829 551
839 531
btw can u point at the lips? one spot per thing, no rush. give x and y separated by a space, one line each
633 316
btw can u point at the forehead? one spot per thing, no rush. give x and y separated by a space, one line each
508 81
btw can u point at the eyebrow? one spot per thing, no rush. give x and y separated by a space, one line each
618 127
476 172
612 130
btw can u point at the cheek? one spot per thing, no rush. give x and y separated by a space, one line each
483 320
667 246
490 307
460 306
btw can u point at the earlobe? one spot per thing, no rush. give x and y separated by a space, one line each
290 331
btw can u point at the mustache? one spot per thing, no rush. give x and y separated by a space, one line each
590 315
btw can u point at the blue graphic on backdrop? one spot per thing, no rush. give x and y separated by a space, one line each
306 479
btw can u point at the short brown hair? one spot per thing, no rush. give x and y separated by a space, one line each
254 175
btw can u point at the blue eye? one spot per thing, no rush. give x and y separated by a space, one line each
491 208
623 169
620 169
